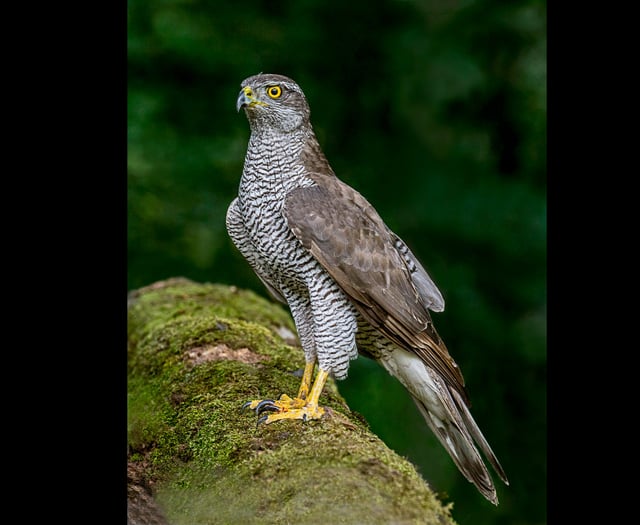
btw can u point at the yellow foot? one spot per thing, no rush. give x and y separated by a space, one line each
285 408
300 407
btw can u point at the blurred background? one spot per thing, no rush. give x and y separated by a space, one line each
436 112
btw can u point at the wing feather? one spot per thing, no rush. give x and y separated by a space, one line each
349 239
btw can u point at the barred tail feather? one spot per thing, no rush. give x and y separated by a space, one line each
478 437
458 443
447 415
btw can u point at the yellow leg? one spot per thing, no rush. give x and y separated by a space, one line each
306 380
304 406
318 386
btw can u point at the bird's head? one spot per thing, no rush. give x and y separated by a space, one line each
273 102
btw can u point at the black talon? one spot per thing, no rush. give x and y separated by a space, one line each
267 404
261 420
246 405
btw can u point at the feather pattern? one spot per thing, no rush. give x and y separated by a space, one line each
353 286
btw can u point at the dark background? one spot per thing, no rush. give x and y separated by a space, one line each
436 112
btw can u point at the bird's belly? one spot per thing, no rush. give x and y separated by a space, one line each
277 249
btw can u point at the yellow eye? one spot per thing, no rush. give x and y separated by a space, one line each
274 91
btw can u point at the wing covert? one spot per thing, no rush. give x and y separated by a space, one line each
347 236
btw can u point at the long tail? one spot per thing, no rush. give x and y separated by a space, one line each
449 418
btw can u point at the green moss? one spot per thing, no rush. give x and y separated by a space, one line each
211 462
291 478
161 302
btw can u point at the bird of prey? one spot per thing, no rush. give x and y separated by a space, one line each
352 285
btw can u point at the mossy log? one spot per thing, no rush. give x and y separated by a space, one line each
196 353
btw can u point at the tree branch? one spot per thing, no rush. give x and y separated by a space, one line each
196 353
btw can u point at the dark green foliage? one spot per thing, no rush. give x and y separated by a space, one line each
436 112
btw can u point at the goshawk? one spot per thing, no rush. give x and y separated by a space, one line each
352 285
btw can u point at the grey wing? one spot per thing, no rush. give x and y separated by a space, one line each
428 290
347 236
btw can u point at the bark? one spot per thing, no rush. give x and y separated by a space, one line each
196 353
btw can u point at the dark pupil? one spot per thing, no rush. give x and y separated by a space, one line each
274 91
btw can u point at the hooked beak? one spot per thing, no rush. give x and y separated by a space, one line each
246 98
